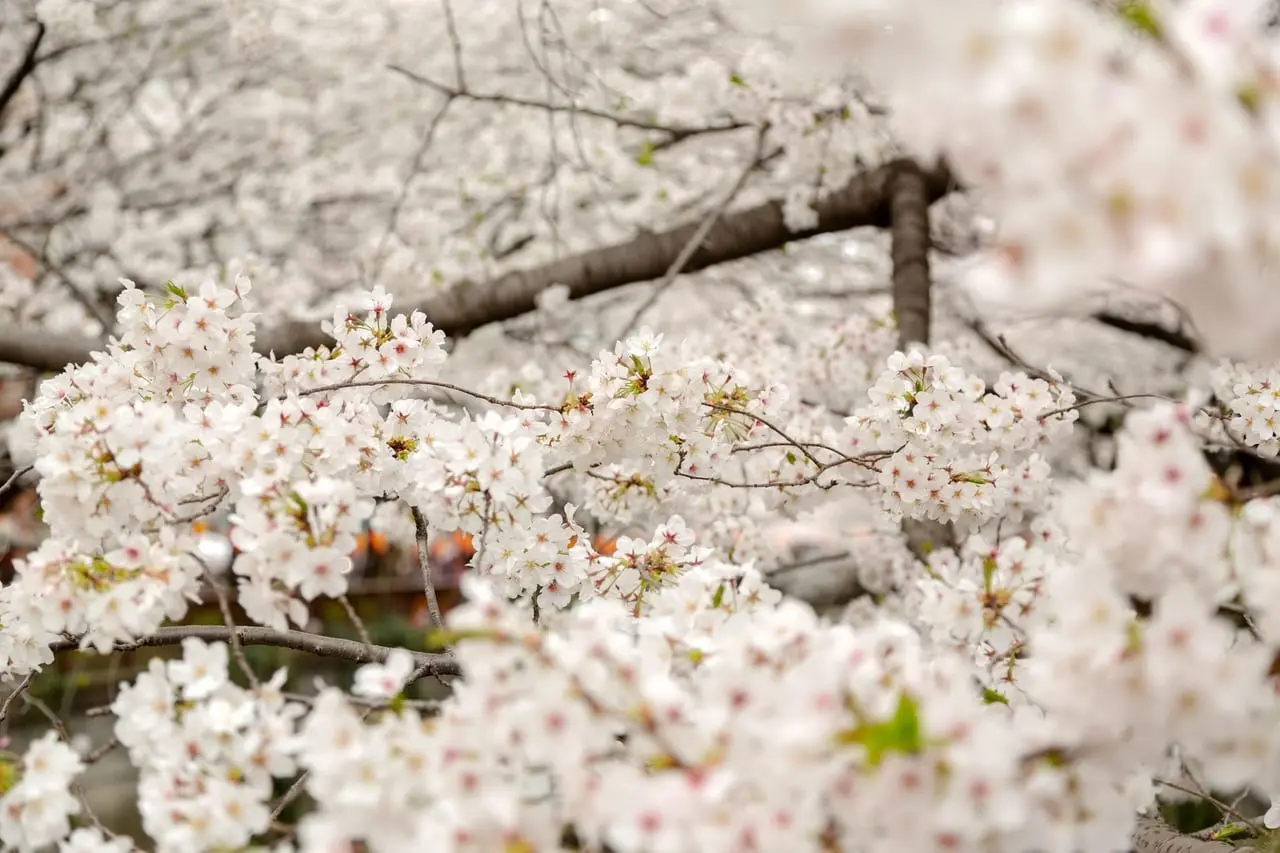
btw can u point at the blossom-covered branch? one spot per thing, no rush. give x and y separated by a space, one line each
864 200
299 641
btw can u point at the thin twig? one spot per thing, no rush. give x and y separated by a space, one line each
424 563
355 620
1222 807
14 477
695 242
224 605
677 132
301 641
20 690
429 383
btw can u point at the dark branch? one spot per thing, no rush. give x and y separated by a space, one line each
863 201
1154 331
299 641
909 207
912 299
24 70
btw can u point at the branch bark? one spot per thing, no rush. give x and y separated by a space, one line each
912 306
299 641
863 201
23 70
1155 836
1154 331
909 208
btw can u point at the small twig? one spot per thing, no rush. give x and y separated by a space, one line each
20 690
356 620
94 755
695 242
24 69
301 641
295 791
14 477
675 131
484 531
812 561
61 729
429 383
1222 807
237 651
375 704
422 531
1120 398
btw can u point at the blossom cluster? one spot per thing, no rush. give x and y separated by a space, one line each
1252 402
36 801
661 696
207 750
648 414
955 450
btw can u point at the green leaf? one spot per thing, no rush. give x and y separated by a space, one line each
446 637
993 697
719 597
1139 15
176 290
645 157
1231 830
737 81
1250 97
791 457
900 733
8 776
988 570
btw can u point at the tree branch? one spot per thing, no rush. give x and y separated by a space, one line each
1155 836
299 641
24 69
1154 331
863 201
675 132
909 208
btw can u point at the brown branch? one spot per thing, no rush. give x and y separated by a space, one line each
909 207
678 265
422 531
863 201
1154 331
675 132
45 350
20 690
1155 836
24 69
298 641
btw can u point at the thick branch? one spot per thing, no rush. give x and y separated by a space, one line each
1155 836
863 201
299 641
1154 331
45 350
909 207
19 74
